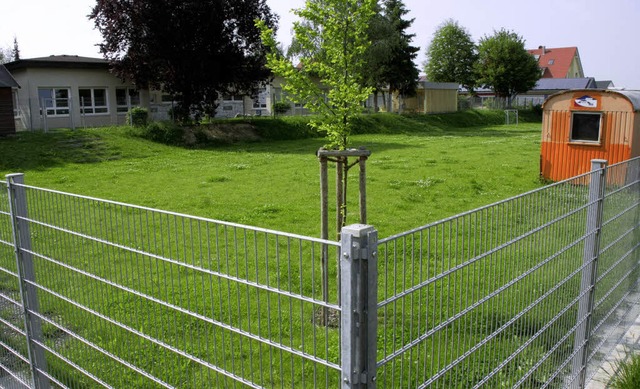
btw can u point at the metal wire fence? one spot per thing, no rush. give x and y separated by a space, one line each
522 293
528 292
135 297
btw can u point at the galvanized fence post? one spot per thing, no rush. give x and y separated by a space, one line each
26 273
358 296
588 279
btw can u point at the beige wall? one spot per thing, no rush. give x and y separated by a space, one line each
575 70
32 79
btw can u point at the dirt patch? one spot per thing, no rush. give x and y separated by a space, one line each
220 133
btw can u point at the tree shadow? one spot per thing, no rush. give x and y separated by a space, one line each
39 150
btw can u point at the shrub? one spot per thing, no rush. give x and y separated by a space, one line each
138 117
464 103
537 108
164 132
281 107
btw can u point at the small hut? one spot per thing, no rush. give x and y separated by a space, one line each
585 124
7 113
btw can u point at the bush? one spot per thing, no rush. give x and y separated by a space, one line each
138 117
168 133
537 108
281 107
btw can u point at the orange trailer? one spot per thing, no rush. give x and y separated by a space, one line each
581 125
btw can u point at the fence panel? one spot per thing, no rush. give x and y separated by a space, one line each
15 371
136 297
506 295
490 298
616 294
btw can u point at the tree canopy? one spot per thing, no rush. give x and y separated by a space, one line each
8 54
401 72
5 55
194 50
389 58
505 66
328 78
15 52
452 55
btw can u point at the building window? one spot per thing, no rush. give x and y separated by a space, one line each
55 100
16 109
552 61
93 101
231 98
586 127
126 98
260 100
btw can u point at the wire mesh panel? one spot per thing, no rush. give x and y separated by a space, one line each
139 298
487 298
615 292
14 363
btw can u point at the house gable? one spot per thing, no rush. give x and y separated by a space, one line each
562 62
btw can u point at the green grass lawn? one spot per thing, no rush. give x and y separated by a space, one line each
423 172
422 169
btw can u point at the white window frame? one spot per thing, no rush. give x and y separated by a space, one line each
124 108
260 99
55 109
230 98
93 108
16 109
573 139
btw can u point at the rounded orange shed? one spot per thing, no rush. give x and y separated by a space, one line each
585 124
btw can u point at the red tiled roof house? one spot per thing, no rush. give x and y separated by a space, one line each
562 62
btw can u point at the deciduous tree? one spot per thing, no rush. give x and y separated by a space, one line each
452 55
505 66
5 55
195 50
332 39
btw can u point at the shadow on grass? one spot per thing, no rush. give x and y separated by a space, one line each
39 150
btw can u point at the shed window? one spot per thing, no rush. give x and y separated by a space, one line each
586 127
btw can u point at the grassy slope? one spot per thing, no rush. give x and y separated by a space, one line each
417 163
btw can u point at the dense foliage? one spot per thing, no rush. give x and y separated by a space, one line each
401 72
390 57
195 50
505 66
332 36
452 55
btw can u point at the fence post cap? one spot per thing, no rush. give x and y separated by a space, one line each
357 230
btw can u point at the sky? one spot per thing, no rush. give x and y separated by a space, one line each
605 32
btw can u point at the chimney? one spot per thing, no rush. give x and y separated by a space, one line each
544 50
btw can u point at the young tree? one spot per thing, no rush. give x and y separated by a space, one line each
195 50
332 39
452 55
505 66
